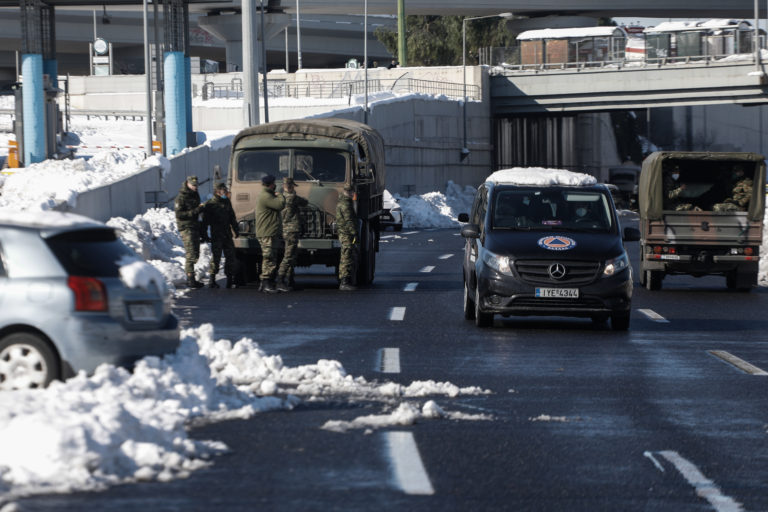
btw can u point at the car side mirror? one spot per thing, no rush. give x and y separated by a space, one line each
470 231
631 235
463 217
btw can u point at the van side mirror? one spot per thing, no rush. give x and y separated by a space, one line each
631 235
470 231
463 217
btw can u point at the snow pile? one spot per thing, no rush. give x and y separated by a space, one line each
115 426
137 273
435 209
155 237
538 176
53 183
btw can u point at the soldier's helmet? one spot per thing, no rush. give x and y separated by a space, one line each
267 179
348 188
192 180
221 186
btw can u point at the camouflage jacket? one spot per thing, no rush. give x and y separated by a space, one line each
290 214
346 220
219 215
268 213
187 208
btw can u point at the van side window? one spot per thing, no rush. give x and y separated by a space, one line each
481 205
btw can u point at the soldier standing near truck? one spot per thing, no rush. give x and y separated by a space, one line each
188 208
347 228
291 230
219 215
267 230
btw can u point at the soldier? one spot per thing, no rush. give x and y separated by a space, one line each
346 224
188 208
267 229
219 215
291 230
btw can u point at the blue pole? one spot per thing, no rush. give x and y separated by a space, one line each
33 108
188 94
175 102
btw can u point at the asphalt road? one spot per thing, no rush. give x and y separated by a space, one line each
583 418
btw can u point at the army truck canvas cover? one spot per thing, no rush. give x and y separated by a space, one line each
322 156
701 213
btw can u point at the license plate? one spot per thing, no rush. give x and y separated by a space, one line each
142 312
557 293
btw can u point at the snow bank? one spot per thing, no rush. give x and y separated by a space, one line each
116 427
435 209
541 176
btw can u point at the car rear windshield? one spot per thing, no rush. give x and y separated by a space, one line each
562 209
93 252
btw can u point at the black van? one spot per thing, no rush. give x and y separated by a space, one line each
553 249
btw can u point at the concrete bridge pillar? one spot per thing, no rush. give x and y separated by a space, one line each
228 28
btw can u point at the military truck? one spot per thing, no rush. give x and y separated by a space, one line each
322 156
701 213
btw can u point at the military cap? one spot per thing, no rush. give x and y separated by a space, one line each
267 180
221 186
192 180
348 187
289 181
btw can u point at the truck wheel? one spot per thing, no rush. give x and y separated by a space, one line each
653 279
247 269
367 262
482 319
469 305
620 321
739 283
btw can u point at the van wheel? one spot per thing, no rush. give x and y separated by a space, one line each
469 305
27 361
653 279
366 267
482 319
620 321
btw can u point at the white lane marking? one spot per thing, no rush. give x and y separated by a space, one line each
409 472
651 314
389 360
457 234
705 487
446 256
738 362
411 233
428 268
386 236
655 462
397 313
410 287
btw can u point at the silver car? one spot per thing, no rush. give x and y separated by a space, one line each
64 306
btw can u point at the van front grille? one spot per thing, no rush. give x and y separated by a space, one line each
537 272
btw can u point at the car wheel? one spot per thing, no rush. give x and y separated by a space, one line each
653 279
620 321
469 305
27 361
482 319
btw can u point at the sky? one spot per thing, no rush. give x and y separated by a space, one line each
115 427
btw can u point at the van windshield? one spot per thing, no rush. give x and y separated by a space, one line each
560 209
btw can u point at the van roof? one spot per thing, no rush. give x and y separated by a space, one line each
539 176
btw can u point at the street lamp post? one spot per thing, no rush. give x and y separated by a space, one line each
365 57
298 34
464 148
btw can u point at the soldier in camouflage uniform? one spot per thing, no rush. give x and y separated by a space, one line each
291 231
219 215
741 193
188 208
268 223
346 224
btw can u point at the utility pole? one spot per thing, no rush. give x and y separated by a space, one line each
402 51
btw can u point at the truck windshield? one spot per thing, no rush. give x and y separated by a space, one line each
320 165
315 164
558 209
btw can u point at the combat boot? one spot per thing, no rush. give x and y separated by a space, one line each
212 282
267 286
192 282
231 281
282 284
347 286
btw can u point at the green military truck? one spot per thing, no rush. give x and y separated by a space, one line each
321 155
701 213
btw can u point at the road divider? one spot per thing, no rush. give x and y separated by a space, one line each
738 363
652 315
407 468
410 287
389 360
397 314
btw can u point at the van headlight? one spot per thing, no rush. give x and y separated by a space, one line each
497 262
616 265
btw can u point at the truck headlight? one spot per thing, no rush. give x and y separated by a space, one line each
616 265
497 262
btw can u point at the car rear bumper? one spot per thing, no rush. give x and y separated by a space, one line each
91 340
508 295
